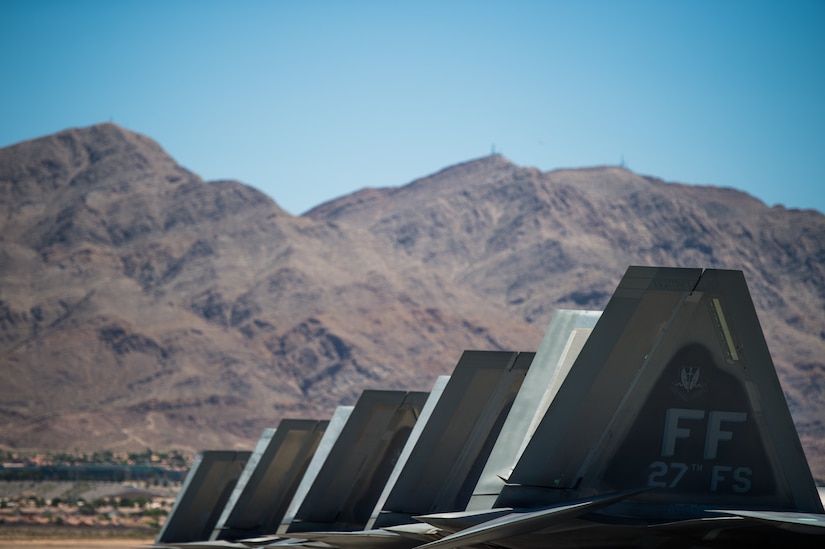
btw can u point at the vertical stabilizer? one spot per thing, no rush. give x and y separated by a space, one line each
426 413
564 338
270 480
445 464
358 466
675 390
333 431
243 480
204 494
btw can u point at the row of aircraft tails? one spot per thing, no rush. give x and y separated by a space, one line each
659 422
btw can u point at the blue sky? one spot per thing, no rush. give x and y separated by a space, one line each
310 100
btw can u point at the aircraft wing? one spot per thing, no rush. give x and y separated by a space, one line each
452 522
519 523
260 540
418 531
219 544
405 536
300 542
573 525
801 523
380 539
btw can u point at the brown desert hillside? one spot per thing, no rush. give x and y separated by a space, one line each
141 306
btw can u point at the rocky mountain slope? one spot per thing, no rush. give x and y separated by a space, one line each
141 306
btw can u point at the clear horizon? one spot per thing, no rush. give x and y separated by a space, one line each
309 101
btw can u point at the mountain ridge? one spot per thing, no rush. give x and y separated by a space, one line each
141 306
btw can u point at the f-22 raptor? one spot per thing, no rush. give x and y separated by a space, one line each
671 430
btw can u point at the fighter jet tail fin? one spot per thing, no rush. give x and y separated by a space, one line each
674 390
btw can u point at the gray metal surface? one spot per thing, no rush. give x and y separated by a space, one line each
564 338
426 414
333 431
670 430
675 390
445 464
270 479
204 494
358 466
